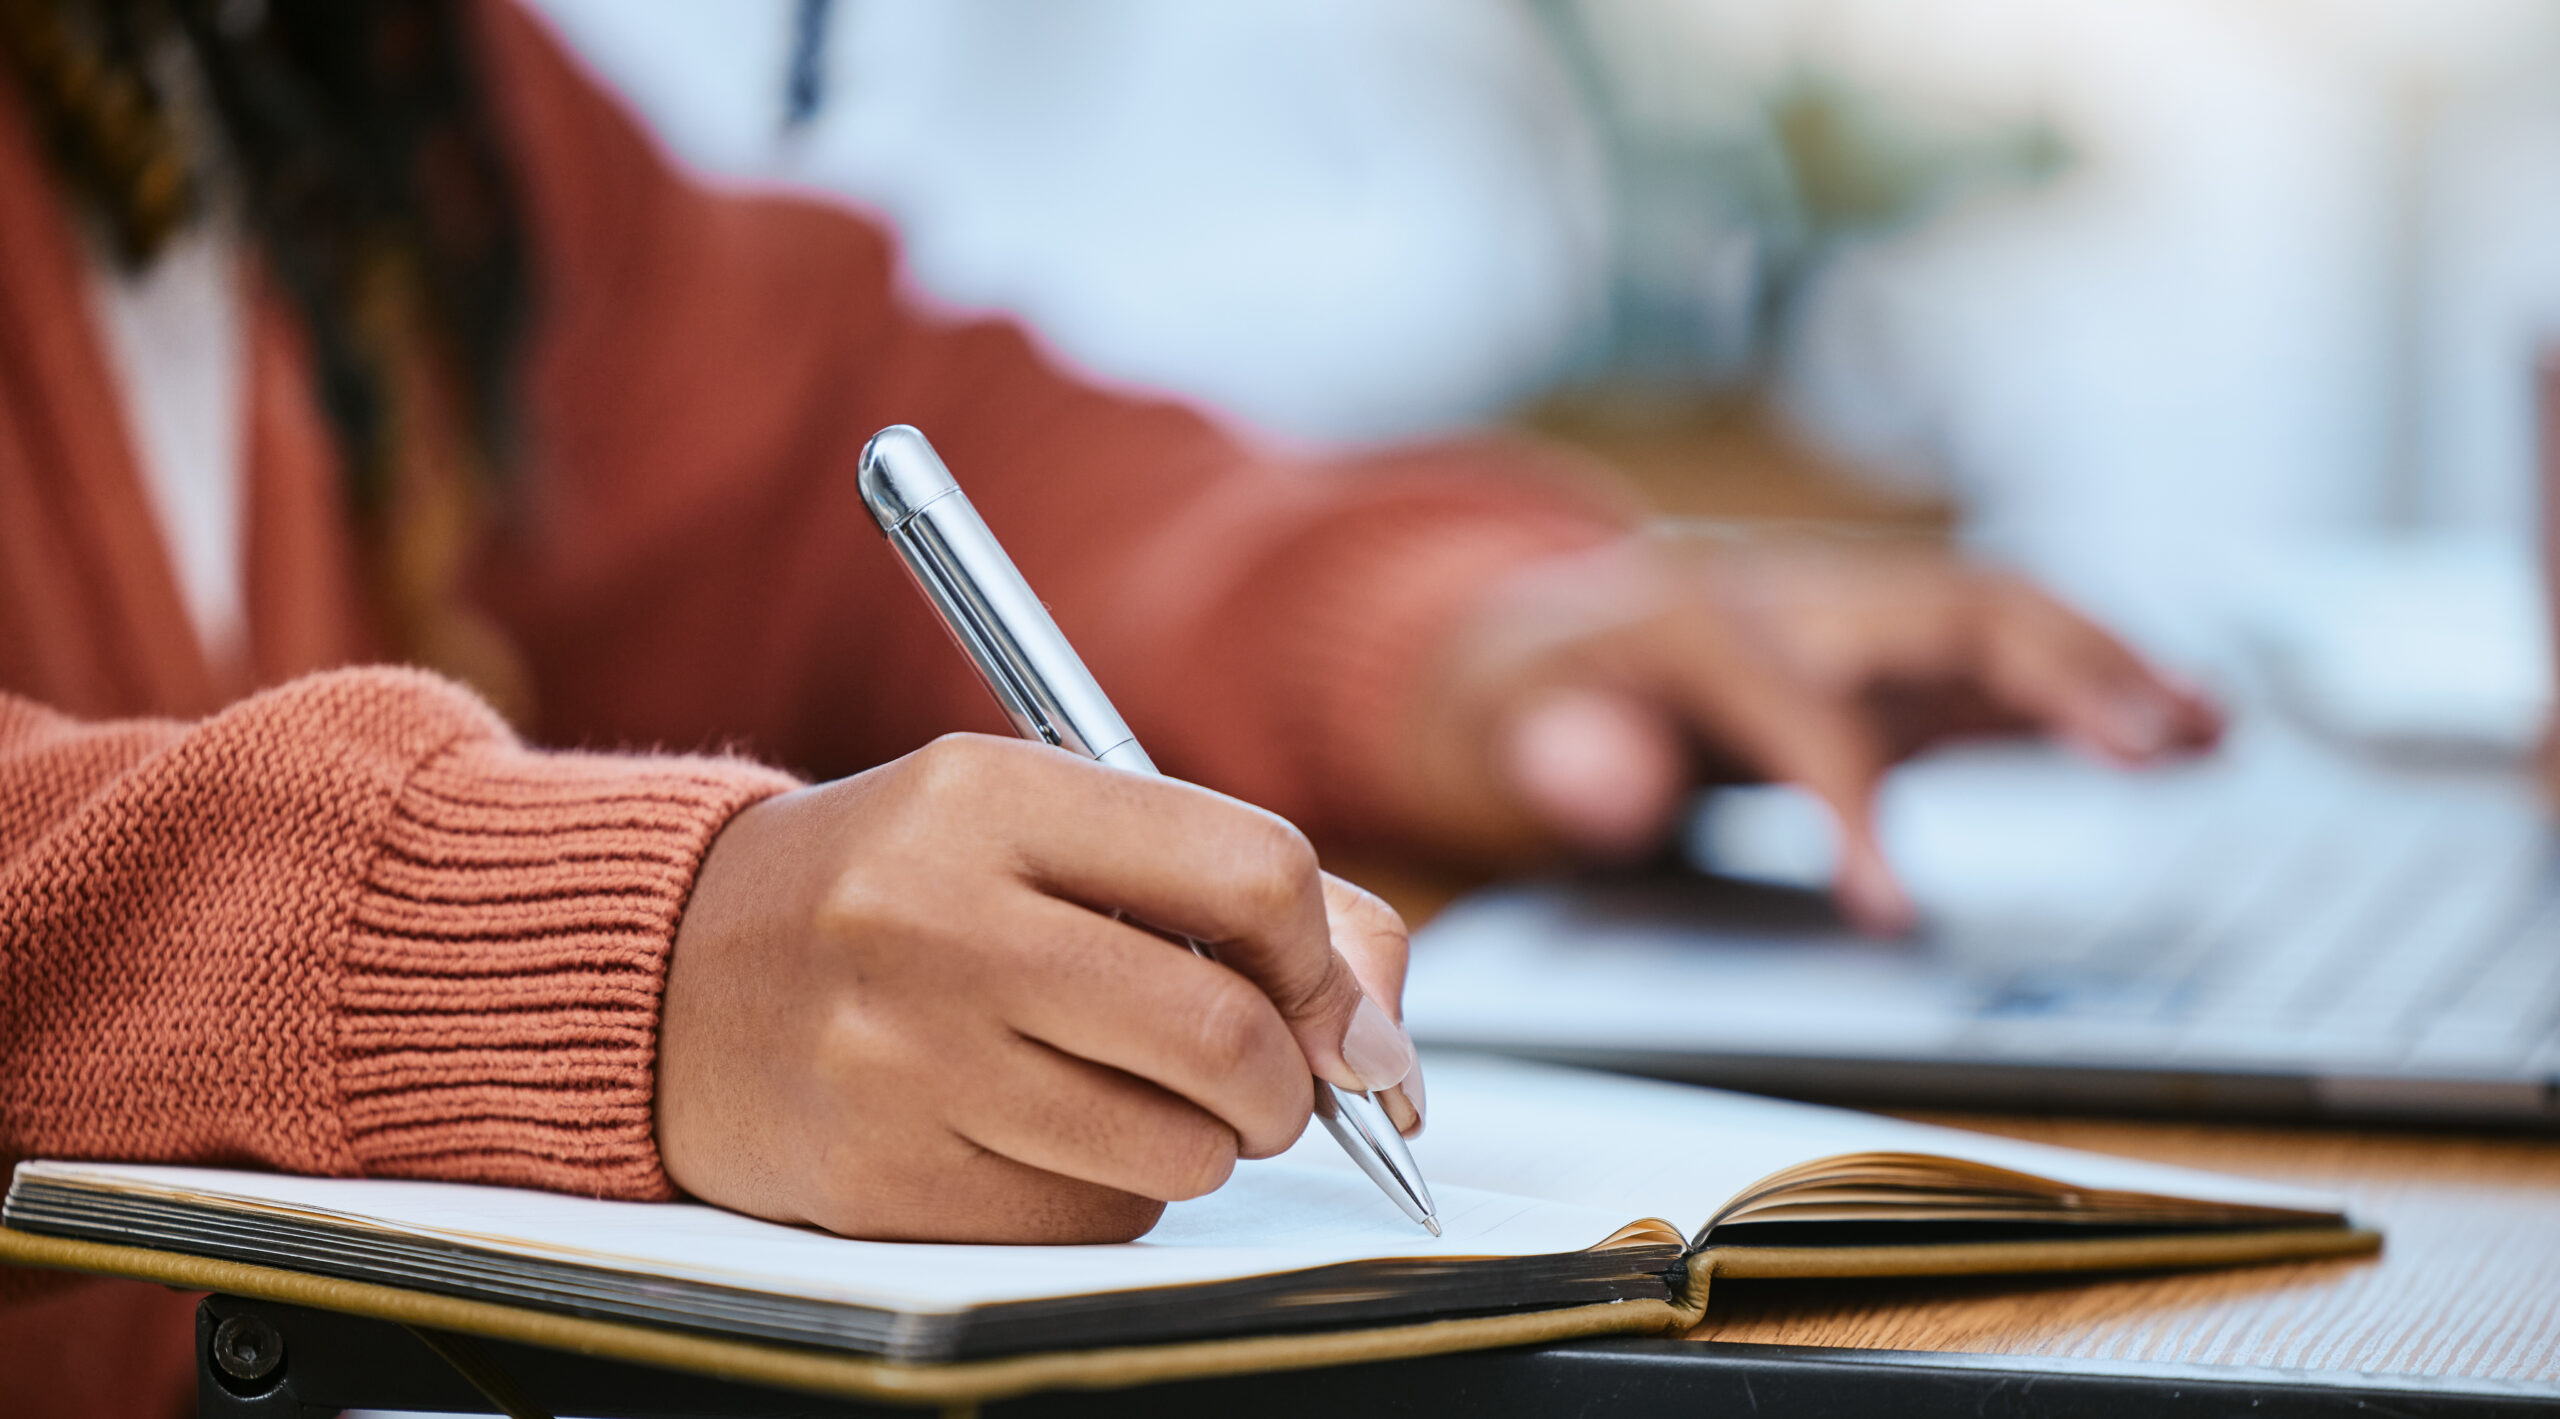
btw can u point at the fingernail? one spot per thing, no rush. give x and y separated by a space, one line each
1876 901
1376 1048
2139 724
1412 1087
1400 1111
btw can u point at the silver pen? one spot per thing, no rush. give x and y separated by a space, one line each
1048 694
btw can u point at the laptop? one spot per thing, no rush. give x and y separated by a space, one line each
2285 929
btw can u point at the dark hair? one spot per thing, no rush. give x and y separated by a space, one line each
372 182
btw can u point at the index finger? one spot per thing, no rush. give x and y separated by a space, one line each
2069 676
1790 730
1237 879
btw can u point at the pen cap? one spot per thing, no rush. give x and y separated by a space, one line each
900 473
985 604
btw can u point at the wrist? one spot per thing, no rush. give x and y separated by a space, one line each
506 959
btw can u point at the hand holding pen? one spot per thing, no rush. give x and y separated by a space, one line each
1045 690
900 1007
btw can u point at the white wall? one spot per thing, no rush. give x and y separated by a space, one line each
1340 219
2289 291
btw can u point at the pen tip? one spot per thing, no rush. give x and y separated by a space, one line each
1433 1223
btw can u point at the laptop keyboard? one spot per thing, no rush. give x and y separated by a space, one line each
2344 920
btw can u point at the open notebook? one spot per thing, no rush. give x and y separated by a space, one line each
1558 1189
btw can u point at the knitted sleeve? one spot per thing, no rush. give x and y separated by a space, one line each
347 926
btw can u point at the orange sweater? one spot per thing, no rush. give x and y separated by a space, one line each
343 920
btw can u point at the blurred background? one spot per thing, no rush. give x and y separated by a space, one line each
2220 316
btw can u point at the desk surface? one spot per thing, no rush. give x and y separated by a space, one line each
2468 1283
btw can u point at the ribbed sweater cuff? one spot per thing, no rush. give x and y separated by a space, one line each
498 1000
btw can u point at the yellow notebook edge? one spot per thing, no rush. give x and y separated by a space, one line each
845 1375
2176 1251
972 1381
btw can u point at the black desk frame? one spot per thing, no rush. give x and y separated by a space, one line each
305 1364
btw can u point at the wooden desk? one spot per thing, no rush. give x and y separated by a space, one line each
2468 1283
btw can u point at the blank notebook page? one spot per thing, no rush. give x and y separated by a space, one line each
1633 1148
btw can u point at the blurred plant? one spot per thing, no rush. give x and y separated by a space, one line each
1728 203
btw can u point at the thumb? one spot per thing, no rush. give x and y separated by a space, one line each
1601 769
1368 934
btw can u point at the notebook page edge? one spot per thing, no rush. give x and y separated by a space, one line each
1500 1227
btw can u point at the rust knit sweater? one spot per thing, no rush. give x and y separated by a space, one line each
300 915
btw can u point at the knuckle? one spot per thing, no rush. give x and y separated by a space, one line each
1274 1117
1193 1157
966 769
861 917
954 763
1369 914
1274 1136
1373 935
1276 868
844 913
1391 949
1231 1027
